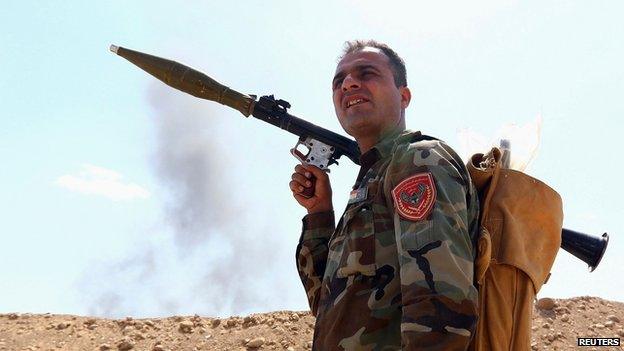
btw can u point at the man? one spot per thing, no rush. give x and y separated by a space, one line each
397 271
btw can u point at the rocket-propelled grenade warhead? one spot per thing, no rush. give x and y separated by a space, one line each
188 80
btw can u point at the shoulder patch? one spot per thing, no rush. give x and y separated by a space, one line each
414 196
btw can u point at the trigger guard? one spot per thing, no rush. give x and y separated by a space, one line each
319 154
298 155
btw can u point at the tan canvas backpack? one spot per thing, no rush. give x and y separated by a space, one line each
521 222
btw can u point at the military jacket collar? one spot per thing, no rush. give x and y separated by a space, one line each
384 148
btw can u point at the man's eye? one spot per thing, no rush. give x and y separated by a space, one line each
367 73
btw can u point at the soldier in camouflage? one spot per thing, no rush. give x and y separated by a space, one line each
396 272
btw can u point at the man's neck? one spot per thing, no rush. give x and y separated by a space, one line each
366 143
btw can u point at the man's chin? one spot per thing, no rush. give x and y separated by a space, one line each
360 128
357 115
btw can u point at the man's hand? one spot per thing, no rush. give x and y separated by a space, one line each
321 200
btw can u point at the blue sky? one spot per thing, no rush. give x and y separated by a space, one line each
123 196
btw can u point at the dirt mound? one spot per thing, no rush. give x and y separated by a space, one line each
557 323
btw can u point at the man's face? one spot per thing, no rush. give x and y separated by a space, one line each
366 100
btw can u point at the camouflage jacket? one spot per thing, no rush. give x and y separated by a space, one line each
395 274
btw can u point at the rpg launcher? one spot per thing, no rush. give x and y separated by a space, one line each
324 147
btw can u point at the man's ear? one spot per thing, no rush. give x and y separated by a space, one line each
406 96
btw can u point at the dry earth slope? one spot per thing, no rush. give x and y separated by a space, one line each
557 323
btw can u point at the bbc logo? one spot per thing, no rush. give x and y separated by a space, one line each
598 341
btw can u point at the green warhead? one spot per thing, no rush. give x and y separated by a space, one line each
188 80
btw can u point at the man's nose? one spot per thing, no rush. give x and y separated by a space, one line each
349 83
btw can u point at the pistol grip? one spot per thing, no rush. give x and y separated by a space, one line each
308 192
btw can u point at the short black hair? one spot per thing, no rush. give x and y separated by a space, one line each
397 65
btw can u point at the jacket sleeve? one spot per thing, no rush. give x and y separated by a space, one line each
311 255
438 298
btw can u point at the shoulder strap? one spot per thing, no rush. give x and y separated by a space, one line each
421 137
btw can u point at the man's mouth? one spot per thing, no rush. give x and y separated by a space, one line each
356 101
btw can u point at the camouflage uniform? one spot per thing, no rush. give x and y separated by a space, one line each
378 281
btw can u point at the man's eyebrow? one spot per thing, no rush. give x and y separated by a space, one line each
360 67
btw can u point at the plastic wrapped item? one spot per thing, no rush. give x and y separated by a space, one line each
519 144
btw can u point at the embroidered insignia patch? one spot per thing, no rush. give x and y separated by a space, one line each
414 196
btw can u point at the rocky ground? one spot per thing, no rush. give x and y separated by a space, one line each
556 325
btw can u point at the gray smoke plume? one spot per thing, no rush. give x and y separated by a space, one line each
213 262
189 163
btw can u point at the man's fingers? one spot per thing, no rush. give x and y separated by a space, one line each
299 178
302 200
295 186
300 169
308 177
